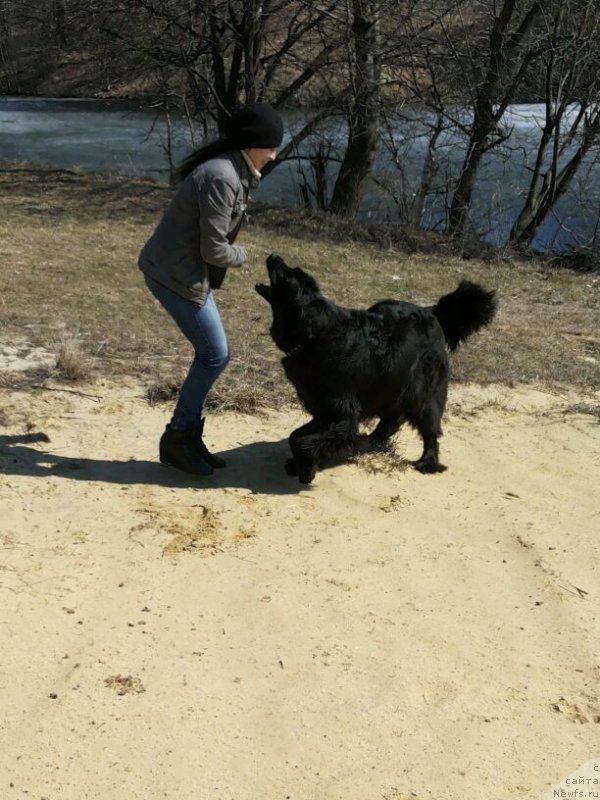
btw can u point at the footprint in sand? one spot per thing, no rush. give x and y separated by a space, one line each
582 712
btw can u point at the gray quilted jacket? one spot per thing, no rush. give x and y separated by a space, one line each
198 228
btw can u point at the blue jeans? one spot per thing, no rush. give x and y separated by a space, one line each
202 326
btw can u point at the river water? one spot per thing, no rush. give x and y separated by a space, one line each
124 138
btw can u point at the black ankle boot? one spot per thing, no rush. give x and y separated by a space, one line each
177 449
215 461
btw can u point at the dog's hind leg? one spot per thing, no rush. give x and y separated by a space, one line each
386 428
428 425
429 462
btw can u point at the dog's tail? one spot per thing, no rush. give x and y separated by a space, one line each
464 311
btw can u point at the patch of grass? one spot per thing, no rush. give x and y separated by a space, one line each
69 247
384 461
72 364
591 409
195 532
163 391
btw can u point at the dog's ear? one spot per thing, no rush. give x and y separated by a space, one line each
296 327
306 283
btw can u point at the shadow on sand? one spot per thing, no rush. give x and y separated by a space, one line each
257 467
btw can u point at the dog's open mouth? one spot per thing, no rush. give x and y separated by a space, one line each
264 291
274 263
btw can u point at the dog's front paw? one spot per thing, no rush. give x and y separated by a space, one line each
304 468
307 476
291 467
427 467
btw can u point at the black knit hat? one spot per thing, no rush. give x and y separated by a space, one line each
254 125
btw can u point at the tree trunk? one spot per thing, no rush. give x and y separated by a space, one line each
553 186
363 116
573 28
506 61
461 199
59 13
428 173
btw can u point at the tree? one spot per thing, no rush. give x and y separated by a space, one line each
30 35
507 58
572 112
59 20
422 95
362 108
373 63
234 51
208 56
226 51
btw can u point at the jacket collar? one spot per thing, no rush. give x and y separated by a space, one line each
253 171
249 181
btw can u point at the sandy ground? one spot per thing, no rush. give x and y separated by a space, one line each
380 635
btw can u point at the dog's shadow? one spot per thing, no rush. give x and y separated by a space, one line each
258 467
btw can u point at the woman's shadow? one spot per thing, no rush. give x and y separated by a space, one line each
257 466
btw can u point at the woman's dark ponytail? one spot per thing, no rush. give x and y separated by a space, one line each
199 156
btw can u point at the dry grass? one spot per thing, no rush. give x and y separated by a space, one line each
68 262
72 363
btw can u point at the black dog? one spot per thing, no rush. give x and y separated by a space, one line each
388 362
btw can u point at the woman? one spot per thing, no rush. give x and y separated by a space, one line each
188 255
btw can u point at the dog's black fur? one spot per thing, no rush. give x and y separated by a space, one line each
388 362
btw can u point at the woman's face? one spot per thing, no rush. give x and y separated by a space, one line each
261 156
